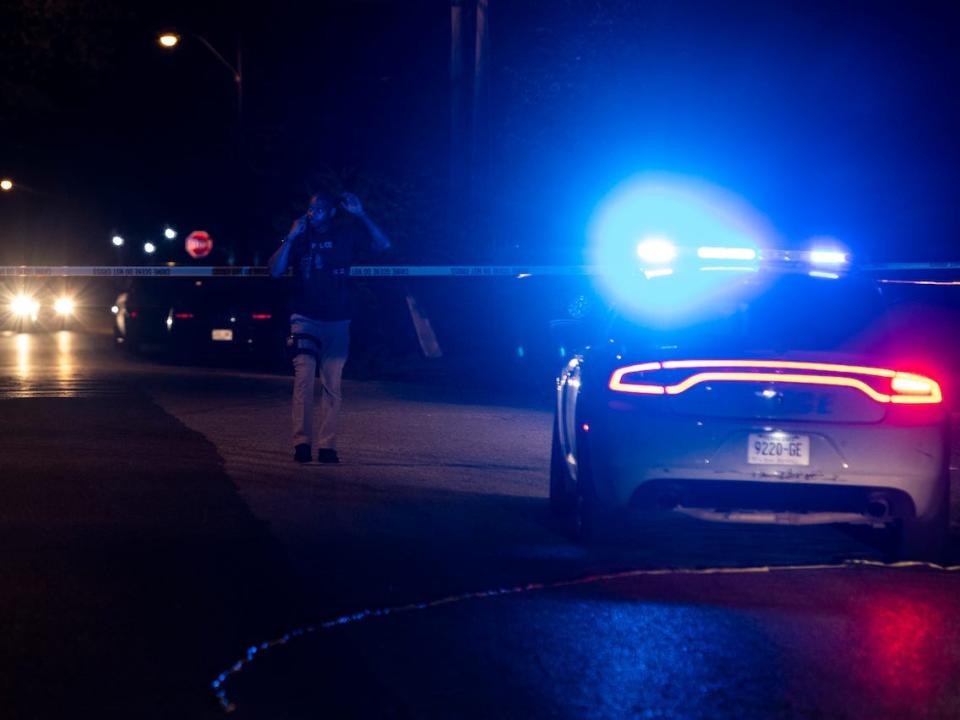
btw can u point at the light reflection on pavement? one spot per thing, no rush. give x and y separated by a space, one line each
437 497
45 365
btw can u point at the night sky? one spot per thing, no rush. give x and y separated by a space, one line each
833 118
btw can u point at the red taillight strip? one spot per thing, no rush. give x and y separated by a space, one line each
776 377
915 395
779 365
910 396
616 380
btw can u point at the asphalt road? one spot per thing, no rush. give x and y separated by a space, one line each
155 531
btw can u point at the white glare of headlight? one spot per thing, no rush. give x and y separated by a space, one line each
24 305
63 306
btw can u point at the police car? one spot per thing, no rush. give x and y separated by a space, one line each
753 387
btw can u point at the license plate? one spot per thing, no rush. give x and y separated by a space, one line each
223 334
778 449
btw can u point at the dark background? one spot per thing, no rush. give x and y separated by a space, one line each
831 118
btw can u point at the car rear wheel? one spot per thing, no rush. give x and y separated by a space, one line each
926 539
581 515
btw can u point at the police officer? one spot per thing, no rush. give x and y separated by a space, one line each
319 248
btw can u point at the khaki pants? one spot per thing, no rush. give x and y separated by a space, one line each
333 342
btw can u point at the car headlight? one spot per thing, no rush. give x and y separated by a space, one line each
63 306
24 306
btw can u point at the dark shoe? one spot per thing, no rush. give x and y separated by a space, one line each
327 455
301 453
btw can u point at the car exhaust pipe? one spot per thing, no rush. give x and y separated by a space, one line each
878 507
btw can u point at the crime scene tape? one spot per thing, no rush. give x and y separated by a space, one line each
254 271
218 685
376 271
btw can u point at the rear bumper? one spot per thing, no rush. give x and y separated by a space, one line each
664 461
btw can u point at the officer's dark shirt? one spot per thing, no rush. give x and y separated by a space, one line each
321 261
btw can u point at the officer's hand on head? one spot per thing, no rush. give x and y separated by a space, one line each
298 228
351 203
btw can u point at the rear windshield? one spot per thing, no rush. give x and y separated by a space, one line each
791 313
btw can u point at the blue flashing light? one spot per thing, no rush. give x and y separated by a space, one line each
825 275
661 272
681 213
726 253
520 351
828 257
656 251
730 268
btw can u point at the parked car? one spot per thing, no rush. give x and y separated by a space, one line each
201 318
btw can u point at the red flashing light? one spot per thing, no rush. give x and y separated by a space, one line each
183 316
261 316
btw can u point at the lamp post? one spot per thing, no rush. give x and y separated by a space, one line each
170 39
6 184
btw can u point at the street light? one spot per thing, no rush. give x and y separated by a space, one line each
149 248
169 39
6 184
117 240
169 233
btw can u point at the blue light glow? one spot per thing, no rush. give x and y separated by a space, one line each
656 251
828 257
825 275
692 214
726 253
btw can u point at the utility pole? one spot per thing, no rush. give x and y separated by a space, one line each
479 137
468 156
457 100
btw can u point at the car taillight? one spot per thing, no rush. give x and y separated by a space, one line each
261 316
183 316
880 384
914 389
620 382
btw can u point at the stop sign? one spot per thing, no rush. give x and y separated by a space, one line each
198 244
